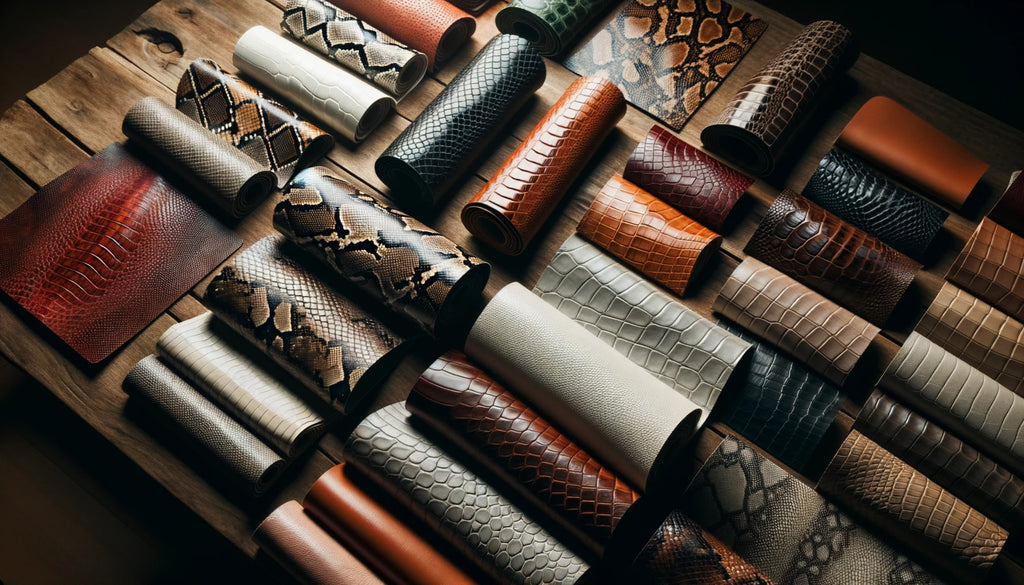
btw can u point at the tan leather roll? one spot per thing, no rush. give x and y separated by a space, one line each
991 266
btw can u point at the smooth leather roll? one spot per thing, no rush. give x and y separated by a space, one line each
340 99
655 331
609 405
457 504
991 266
408 267
895 139
439 146
1009 210
510 209
551 25
754 128
774 307
858 271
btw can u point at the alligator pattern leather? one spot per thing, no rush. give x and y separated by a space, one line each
991 266
669 69
785 529
758 122
457 504
1009 210
774 307
322 337
824 252
410 268
268 132
865 197
427 159
552 25
686 178
96 254
510 209
655 331
248 459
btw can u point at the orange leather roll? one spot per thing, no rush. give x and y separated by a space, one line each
991 266
510 209
648 234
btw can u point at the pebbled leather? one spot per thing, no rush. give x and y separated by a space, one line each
991 266
1009 210
551 25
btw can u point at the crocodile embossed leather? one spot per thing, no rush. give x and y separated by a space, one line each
410 268
991 266
869 200
817 248
668 56
1009 210
510 209
438 147
774 307
686 178
322 337
457 504
551 25
612 407
99 252
758 122
892 137
649 235
655 331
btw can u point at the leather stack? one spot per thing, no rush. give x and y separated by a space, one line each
991 266
551 25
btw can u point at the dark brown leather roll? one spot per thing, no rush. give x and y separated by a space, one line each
991 266
1009 211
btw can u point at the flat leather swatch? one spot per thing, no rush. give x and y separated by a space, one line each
757 124
1009 210
865 197
685 178
991 266
322 337
99 252
510 209
410 268
891 137
655 331
612 407
551 25
270 133
244 456
306 551
774 307
785 529
819 249
460 507
668 56
356 45
426 160
648 234
341 100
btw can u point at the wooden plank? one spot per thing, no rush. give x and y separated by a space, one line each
35 147
13 191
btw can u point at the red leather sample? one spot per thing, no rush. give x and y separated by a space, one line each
1009 211
991 266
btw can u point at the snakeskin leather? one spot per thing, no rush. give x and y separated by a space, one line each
991 266
551 25
1009 210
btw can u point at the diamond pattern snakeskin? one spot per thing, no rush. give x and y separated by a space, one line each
460 507
551 25
991 266
1009 210
831 256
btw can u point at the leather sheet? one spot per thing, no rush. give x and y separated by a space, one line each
991 266
1009 210
552 26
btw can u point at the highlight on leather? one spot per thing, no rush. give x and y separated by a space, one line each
426 160
1009 210
552 26
757 124
510 209
991 266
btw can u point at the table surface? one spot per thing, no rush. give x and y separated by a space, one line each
79 111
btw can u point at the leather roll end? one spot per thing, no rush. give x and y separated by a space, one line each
374 115
668 471
492 227
405 181
453 39
464 302
411 74
518 21
739 146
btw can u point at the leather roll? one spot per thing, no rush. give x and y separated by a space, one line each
439 146
319 335
612 407
471 6
307 552
754 128
649 235
197 350
551 25
895 139
245 457
686 178
340 99
774 307
457 504
655 331
1009 210
408 267
510 209
991 266
817 248
865 197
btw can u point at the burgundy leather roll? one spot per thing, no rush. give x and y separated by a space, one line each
991 266
1009 211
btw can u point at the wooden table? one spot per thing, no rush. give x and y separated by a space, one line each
79 111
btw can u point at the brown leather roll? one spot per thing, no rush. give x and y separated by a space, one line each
991 266
1009 211
831 256
649 235
511 208
894 138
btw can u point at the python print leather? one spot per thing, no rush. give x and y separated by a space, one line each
552 25
992 267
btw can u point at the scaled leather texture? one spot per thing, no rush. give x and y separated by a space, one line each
1009 210
991 266
552 26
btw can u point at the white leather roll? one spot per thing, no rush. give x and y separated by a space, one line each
338 98
620 412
